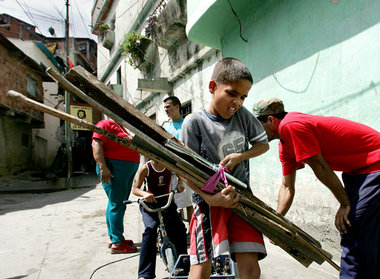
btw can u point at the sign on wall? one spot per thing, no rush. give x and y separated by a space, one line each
81 112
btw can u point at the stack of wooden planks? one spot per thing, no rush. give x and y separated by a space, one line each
155 143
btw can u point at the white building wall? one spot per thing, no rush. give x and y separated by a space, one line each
190 80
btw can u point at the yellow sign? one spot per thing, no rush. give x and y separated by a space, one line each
81 112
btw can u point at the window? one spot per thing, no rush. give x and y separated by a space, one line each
118 76
32 87
82 46
153 117
186 109
25 140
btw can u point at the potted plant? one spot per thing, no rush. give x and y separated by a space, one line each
103 27
134 47
107 36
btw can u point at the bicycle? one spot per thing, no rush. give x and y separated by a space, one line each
167 249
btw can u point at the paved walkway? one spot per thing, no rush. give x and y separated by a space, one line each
63 235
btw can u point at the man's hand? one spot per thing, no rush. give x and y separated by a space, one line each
328 177
226 198
341 218
105 175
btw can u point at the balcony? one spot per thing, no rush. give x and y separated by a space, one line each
167 24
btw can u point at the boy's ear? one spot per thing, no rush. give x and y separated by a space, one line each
212 86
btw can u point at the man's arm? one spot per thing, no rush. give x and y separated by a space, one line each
230 161
286 193
97 152
327 176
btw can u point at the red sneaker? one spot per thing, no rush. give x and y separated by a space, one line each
128 241
123 248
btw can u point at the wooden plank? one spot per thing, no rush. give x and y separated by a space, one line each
157 146
80 77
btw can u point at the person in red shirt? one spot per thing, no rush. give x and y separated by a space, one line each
116 166
329 144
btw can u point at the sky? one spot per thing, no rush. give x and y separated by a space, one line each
52 13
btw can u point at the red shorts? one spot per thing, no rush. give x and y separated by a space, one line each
218 230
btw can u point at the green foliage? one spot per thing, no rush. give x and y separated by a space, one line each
103 27
131 47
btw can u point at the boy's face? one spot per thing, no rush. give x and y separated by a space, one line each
228 97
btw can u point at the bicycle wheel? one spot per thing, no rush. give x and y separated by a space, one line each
170 258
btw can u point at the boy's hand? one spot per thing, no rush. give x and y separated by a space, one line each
226 198
180 188
230 161
148 197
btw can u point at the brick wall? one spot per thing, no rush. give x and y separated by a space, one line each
11 27
13 76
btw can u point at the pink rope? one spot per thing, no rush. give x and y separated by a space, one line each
210 185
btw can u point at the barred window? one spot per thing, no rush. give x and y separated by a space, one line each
186 109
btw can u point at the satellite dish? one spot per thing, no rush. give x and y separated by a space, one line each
51 31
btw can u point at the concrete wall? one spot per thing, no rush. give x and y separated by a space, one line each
320 57
15 145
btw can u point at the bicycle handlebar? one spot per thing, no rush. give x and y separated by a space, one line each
143 203
170 199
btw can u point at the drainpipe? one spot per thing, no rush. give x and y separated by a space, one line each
116 58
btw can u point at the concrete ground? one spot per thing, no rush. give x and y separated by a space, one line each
63 234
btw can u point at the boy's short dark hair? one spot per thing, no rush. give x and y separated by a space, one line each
229 70
175 101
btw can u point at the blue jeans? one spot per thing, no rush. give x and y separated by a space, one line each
361 245
117 191
176 232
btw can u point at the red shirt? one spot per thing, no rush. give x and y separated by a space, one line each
111 149
346 145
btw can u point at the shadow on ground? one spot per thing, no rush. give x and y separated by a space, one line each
21 200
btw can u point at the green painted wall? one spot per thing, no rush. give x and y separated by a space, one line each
319 57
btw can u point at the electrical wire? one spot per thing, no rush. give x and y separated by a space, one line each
63 22
130 7
28 15
307 85
80 14
46 18
233 11
44 15
109 263
54 5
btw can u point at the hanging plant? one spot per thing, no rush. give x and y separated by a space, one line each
133 47
103 27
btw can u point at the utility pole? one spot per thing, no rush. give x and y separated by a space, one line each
67 106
